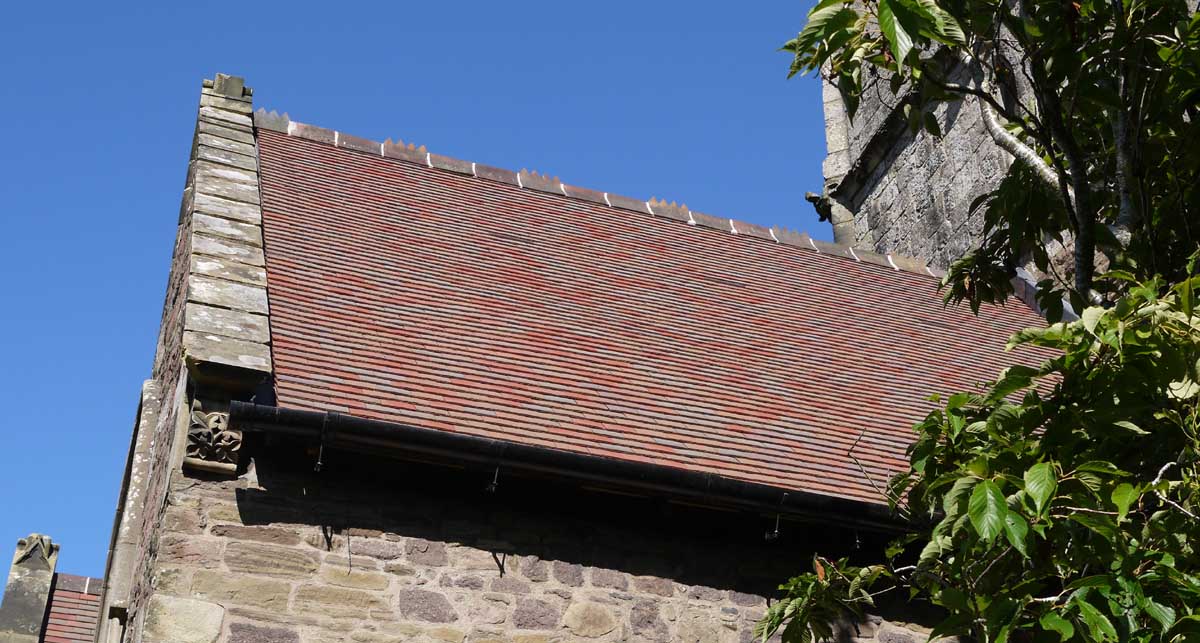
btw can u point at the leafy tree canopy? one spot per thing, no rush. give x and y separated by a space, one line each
1062 503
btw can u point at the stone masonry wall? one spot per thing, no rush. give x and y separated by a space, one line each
426 555
917 201
906 193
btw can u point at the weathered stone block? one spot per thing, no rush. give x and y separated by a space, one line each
230 190
702 628
353 578
217 206
589 620
269 560
609 578
273 535
646 621
700 592
535 614
184 519
222 512
189 550
229 323
236 589
424 605
206 347
250 633
228 145
654 585
181 620
226 294
221 227
569 574
337 602
207 172
371 633
227 249
228 270
171 579
209 99
478 559
509 585
535 569
375 548
221 131
226 157
424 552
225 116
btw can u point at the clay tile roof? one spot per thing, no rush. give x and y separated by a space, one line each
73 609
413 288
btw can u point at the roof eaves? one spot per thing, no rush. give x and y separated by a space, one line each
351 433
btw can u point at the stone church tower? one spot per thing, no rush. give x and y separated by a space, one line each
890 190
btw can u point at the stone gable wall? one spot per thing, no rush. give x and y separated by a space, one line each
307 558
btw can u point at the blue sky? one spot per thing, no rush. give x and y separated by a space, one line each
681 100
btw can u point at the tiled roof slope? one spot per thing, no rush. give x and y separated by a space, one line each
438 299
73 609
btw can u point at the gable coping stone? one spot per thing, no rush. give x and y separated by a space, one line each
225 296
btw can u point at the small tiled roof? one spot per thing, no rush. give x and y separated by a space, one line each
73 609
440 294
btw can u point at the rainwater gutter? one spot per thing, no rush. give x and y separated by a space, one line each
334 430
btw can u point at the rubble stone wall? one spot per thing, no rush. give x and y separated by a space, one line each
316 558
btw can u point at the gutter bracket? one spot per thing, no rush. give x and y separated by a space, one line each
773 535
321 444
495 483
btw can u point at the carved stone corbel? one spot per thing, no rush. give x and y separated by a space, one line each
211 445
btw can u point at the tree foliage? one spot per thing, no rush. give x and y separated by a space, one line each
1099 106
1059 505
1062 503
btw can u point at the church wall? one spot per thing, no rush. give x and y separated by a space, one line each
409 553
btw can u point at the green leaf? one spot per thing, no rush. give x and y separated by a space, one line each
899 39
934 548
1102 525
1015 530
1187 295
1097 623
1041 483
1091 317
1096 580
825 18
1130 426
1159 612
987 510
1052 622
953 599
1123 496
1101 466
957 492
1187 625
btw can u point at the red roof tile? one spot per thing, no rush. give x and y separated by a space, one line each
413 294
73 609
